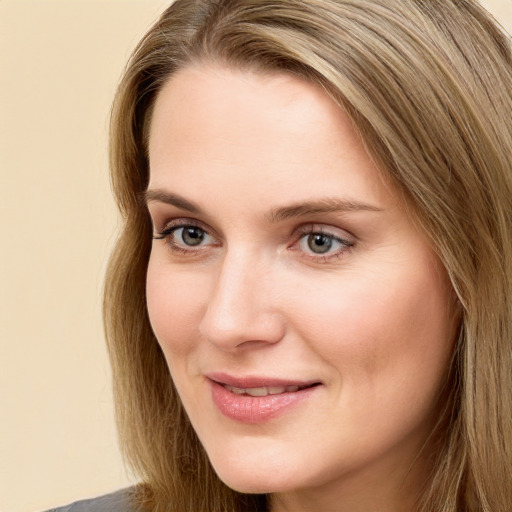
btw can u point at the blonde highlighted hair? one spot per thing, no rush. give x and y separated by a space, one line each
428 85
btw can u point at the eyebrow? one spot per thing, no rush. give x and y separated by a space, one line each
326 205
299 209
161 196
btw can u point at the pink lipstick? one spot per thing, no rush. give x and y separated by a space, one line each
255 400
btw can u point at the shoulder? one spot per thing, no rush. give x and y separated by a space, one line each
119 501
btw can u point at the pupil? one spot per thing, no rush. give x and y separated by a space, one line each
319 243
192 236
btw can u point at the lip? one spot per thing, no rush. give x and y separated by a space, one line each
257 382
256 409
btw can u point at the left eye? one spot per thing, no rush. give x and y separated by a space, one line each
322 243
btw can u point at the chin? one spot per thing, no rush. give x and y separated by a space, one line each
250 477
251 484
248 486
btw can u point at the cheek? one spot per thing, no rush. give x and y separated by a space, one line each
388 342
392 327
175 302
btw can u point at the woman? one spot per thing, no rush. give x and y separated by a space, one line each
309 306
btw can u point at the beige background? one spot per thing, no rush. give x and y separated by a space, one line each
59 63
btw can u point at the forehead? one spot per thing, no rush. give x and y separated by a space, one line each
202 96
212 124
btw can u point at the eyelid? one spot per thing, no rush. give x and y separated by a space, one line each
327 229
322 227
169 226
177 222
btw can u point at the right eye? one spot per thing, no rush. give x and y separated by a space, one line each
189 235
183 237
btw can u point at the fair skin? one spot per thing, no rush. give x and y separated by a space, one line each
281 260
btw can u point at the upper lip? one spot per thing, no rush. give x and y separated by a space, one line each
251 381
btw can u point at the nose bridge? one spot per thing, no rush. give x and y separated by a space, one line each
239 309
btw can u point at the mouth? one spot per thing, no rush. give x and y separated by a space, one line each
266 390
256 400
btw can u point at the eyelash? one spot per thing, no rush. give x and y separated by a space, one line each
306 231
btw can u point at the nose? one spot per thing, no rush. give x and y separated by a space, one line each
241 310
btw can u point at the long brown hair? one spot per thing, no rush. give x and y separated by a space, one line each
428 85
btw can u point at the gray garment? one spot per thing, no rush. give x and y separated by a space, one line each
118 501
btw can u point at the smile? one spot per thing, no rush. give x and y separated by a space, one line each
264 391
253 402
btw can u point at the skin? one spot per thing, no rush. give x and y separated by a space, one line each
372 319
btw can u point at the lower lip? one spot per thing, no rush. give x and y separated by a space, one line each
256 409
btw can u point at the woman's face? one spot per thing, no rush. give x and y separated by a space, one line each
306 322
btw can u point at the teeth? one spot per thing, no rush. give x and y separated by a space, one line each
264 391
237 391
257 391
276 390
